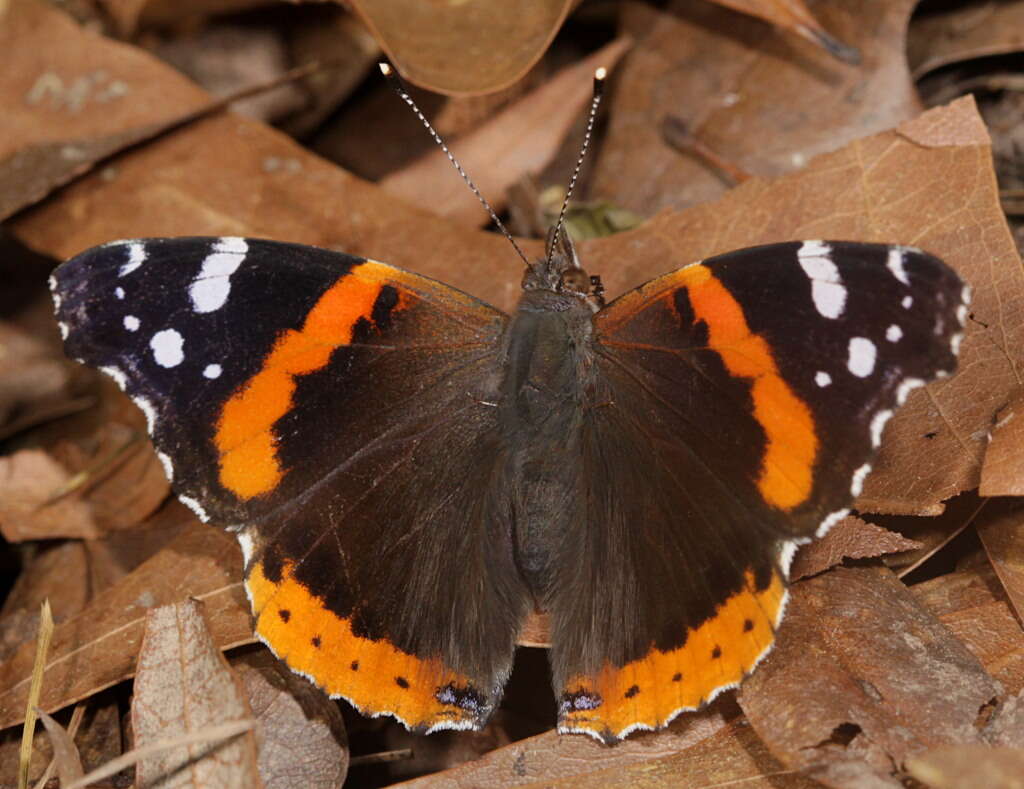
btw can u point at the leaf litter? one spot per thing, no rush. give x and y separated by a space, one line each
874 679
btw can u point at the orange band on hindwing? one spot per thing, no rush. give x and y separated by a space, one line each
787 467
373 675
651 691
245 440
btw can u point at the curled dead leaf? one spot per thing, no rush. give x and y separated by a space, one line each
851 538
439 46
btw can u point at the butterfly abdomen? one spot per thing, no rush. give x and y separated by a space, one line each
541 401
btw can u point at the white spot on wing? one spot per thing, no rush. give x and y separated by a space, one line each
209 290
954 343
905 388
119 292
827 288
147 408
63 327
195 506
861 361
245 541
965 294
212 371
131 323
136 257
878 423
119 377
822 379
829 521
961 314
786 554
895 264
857 485
907 302
894 333
165 461
168 348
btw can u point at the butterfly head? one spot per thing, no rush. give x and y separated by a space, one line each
560 272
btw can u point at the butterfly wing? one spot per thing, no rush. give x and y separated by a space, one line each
334 412
737 405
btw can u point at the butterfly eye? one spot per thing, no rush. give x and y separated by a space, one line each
575 281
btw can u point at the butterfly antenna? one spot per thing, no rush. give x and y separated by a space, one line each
599 77
399 88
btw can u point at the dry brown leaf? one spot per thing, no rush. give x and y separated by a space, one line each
58 573
440 46
299 730
520 140
973 605
110 559
552 756
32 378
766 103
732 756
341 40
74 100
795 16
183 684
1002 534
960 766
29 481
130 15
1002 472
97 647
851 538
120 477
861 678
955 32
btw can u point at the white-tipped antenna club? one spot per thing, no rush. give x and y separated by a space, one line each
399 88
599 77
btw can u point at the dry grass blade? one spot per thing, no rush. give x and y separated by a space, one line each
65 753
221 731
35 688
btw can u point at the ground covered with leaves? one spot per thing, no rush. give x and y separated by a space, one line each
728 124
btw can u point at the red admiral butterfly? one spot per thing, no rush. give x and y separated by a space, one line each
410 471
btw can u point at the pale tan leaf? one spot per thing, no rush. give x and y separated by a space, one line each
183 684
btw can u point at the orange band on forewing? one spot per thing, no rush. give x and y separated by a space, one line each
373 675
652 690
248 457
792 444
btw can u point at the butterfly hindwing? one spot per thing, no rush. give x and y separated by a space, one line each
284 387
737 405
